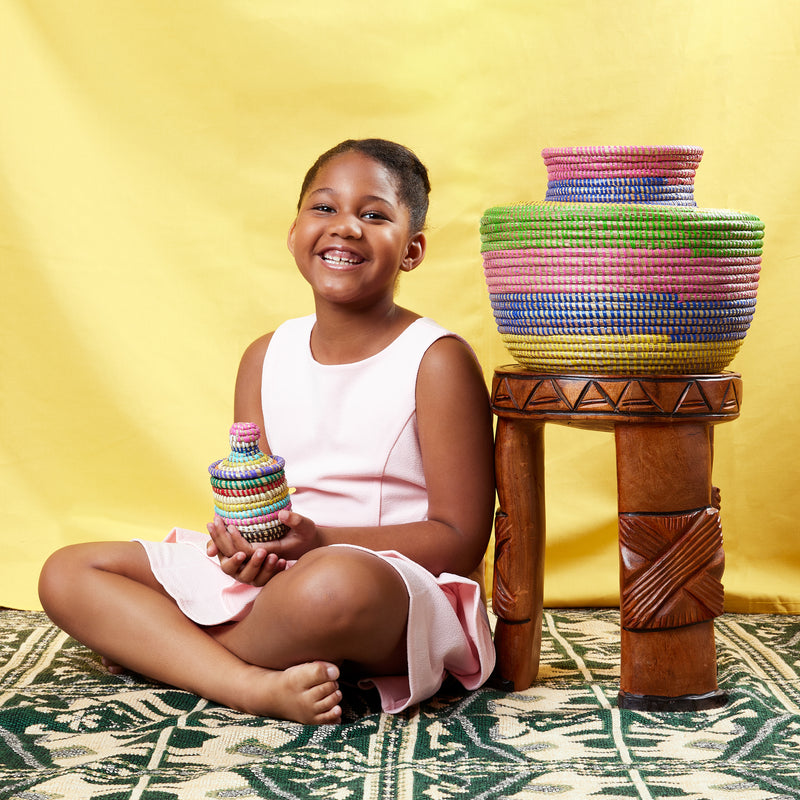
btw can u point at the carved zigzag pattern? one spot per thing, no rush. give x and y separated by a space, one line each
671 569
681 396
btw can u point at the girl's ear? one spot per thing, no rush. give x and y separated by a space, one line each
290 238
415 252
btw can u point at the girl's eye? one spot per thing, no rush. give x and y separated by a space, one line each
374 215
322 207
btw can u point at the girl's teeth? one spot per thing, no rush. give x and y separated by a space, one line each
340 259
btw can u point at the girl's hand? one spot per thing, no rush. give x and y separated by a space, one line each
249 563
302 536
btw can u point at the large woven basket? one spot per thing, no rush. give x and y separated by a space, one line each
618 288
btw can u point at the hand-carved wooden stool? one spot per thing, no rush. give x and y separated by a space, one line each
670 538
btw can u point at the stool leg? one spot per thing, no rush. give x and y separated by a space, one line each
518 588
671 563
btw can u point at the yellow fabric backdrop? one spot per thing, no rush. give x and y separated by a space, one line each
150 157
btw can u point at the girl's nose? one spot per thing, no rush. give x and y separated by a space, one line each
346 225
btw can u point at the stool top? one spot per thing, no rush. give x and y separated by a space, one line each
601 402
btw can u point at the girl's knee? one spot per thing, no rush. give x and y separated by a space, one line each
56 576
344 588
66 563
70 568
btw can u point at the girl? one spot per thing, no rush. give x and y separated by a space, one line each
383 419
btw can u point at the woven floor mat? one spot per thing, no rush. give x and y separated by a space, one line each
70 730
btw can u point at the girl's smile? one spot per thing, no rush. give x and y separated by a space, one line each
339 258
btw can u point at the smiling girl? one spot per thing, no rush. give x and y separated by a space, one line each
382 417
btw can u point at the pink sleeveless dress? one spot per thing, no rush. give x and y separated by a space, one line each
348 434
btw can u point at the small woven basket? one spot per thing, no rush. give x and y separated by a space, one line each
250 487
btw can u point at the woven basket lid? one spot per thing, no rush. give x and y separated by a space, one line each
645 182
600 153
246 461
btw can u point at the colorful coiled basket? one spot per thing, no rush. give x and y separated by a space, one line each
621 288
250 487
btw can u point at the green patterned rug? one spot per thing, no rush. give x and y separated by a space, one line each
70 730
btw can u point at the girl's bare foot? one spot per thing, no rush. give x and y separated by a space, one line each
114 669
307 693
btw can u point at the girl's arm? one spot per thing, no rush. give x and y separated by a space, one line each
247 395
455 431
249 563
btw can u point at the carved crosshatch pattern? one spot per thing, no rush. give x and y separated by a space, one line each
671 569
504 600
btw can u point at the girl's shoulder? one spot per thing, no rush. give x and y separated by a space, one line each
450 366
254 354
450 349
